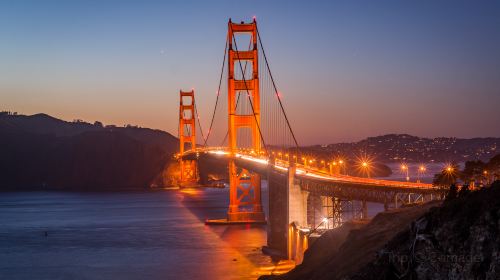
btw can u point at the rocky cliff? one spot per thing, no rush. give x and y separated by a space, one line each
456 240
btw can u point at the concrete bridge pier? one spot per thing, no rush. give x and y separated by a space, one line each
277 229
287 227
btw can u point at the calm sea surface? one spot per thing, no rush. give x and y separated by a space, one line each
130 235
125 235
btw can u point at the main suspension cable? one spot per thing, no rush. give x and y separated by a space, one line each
198 118
218 93
276 89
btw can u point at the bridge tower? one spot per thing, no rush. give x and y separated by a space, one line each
245 203
187 135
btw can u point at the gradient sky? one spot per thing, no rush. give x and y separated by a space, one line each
429 68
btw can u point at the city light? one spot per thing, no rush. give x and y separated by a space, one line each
421 171
405 169
364 165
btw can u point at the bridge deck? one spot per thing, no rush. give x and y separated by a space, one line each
318 176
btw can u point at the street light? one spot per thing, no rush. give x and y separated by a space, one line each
341 163
485 173
421 171
332 166
404 168
365 165
449 171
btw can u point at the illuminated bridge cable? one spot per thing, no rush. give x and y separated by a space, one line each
248 92
199 123
218 93
276 90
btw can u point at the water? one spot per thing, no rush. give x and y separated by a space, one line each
128 235
125 235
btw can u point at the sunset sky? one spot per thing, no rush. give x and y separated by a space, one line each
428 68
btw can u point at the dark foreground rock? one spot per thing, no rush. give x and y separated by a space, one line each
458 240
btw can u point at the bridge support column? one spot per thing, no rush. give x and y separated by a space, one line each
297 200
278 225
288 230
187 135
245 205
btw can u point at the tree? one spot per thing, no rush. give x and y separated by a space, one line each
452 192
464 190
473 171
448 176
493 166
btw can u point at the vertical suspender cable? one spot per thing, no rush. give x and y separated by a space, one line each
276 91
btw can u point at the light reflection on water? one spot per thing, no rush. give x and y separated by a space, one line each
126 235
129 235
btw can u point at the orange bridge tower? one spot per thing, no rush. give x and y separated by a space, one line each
245 205
187 135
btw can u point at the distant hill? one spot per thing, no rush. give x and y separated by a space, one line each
40 151
404 147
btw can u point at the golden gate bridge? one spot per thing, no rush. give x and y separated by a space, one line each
248 129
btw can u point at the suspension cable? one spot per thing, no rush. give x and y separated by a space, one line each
198 118
218 93
276 89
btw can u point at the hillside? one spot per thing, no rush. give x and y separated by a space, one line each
456 240
42 152
403 147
